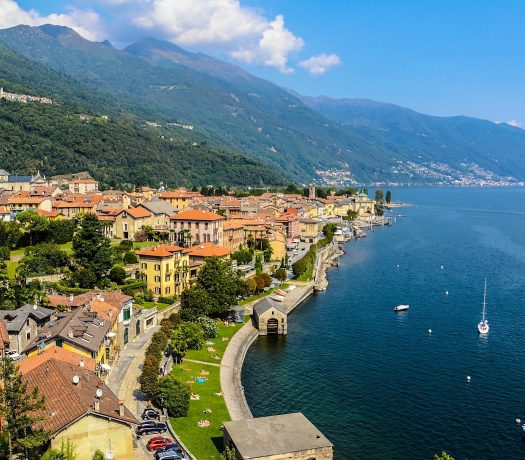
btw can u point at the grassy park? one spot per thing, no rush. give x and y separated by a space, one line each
204 443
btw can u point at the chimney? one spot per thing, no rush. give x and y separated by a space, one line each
71 297
96 405
121 408
81 362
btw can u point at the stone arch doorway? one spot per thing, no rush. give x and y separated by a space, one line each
126 336
272 326
137 328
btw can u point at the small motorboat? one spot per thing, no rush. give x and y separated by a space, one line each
402 308
278 298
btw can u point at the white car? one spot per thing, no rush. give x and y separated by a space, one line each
15 356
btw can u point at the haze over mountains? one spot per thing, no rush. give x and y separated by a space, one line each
199 99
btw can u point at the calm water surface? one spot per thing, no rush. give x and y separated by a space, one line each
377 383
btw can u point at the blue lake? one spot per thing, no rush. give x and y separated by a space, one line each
376 383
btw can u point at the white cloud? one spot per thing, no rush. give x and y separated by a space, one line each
243 33
318 65
515 123
85 22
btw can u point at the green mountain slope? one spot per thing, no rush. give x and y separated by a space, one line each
248 114
457 142
72 136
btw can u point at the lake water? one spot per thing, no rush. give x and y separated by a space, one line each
376 383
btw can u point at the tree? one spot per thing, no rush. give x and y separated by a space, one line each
61 231
251 286
189 334
173 395
10 233
126 245
5 253
443 456
91 249
221 283
259 281
388 198
34 224
351 215
194 303
281 275
243 256
130 258
209 326
18 406
117 274
258 264
66 452
98 455
379 195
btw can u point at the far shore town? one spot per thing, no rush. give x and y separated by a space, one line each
125 315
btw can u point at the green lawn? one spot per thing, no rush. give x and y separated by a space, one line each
262 294
144 244
158 305
204 443
306 276
11 268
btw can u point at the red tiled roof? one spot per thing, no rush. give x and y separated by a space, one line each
195 214
67 402
26 200
60 354
208 250
83 181
104 310
160 251
137 213
232 225
44 213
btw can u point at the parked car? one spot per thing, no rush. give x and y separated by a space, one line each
173 447
146 423
150 414
170 455
152 429
158 442
15 356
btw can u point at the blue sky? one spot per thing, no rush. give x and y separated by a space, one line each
438 57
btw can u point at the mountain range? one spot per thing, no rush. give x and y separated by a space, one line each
201 100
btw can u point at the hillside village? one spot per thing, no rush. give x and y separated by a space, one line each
69 342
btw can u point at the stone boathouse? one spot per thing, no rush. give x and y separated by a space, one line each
270 317
288 436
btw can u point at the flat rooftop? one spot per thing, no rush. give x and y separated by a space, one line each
275 435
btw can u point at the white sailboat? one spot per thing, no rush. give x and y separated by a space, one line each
483 325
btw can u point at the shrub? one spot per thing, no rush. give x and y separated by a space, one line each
173 395
84 278
126 245
209 326
117 274
168 300
259 281
130 258
281 275
5 253
266 278
148 295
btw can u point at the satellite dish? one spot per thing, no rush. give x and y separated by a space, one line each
99 393
76 379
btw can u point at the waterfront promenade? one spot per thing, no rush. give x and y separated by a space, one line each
232 361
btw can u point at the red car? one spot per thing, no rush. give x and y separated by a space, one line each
157 442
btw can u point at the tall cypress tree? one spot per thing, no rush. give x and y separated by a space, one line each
17 409
91 249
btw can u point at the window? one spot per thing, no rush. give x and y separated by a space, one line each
59 343
144 266
28 336
27 322
107 353
157 291
157 267
167 278
168 290
157 279
167 267
206 226
126 314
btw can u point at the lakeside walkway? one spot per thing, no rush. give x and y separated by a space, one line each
232 361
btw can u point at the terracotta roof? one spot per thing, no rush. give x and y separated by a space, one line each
160 251
67 402
5 210
74 204
137 213
60 354
208 250
232 225
178 194
43 213
26 200
104 310
194 214
4 336
115 298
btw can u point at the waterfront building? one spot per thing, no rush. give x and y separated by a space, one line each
197 226
277 437
165 269
270 317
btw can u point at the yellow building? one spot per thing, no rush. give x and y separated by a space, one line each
165 269
81 409
181 198
129 222
310 229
